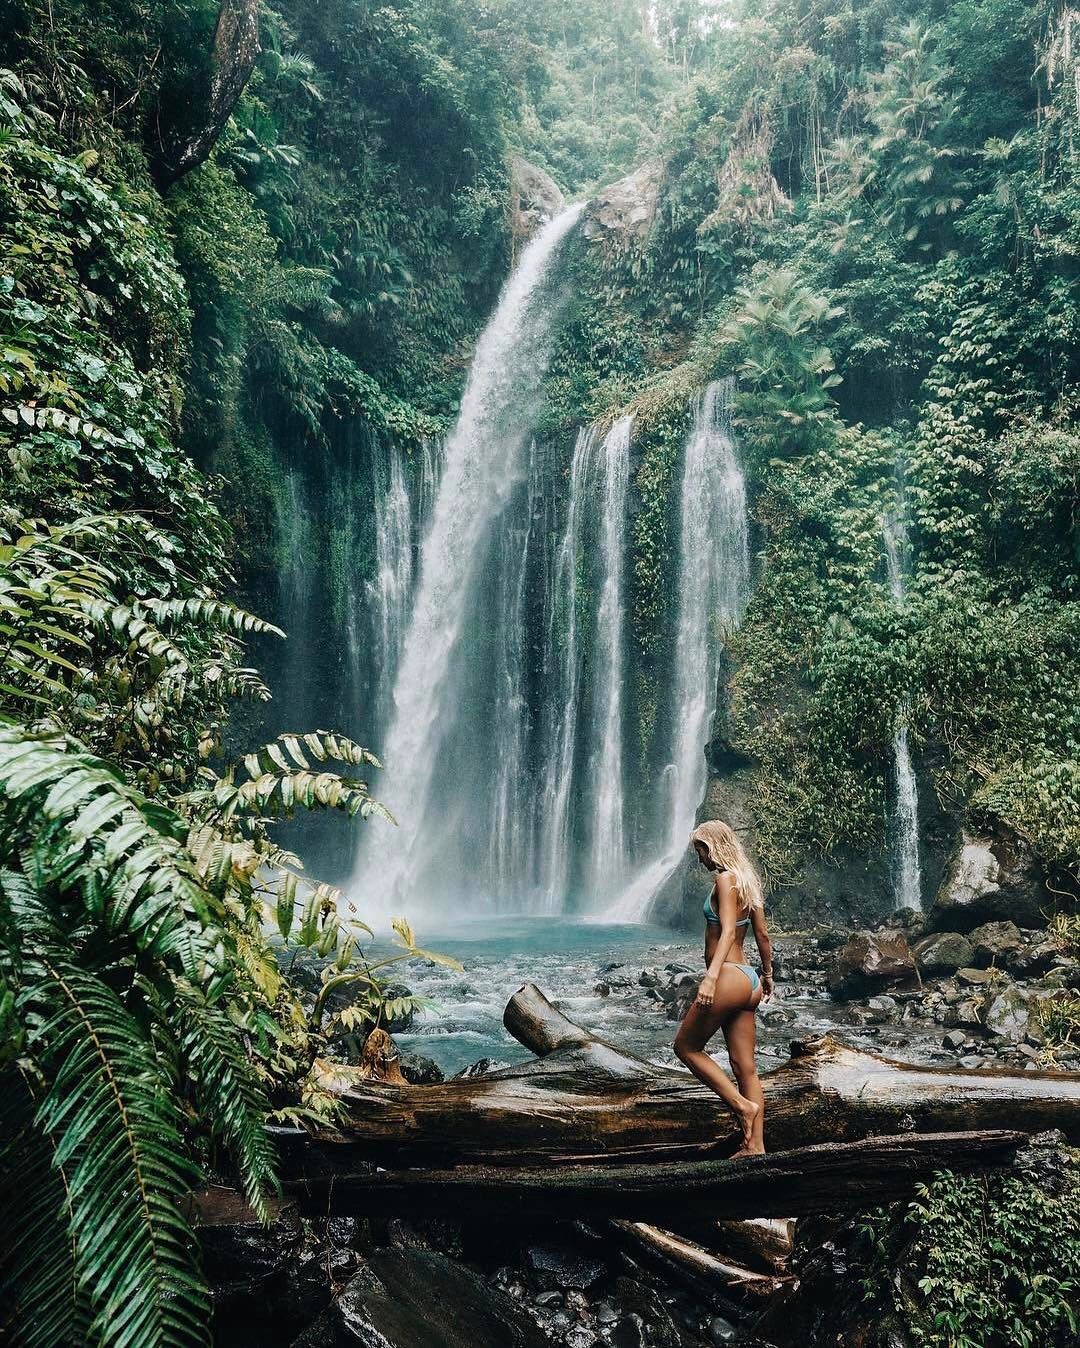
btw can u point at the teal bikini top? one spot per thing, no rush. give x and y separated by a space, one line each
710 916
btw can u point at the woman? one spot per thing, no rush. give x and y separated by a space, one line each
731 990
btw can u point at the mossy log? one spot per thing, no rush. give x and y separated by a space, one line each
585 1101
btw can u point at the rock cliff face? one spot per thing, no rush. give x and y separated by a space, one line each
534 198
625 210
991 879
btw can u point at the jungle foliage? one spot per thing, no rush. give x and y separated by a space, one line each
868 215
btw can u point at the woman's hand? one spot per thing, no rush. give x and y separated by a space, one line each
767 984
706 991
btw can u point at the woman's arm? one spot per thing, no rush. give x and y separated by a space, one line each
727 910
764 945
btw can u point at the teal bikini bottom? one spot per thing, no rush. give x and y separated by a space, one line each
750 972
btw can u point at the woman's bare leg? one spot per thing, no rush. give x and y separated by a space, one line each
740 1032
698 1027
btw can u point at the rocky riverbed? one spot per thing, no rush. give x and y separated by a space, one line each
974 998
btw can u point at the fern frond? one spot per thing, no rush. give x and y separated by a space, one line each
41 1307
80 828
116 1132
209 613
227 1093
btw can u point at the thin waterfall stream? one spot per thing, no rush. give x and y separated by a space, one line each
714 582
904 840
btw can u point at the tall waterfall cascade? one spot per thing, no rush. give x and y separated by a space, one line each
904 827
714 583
485 465
498 629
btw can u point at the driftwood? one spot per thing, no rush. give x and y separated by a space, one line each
827 1178
586 1101
764 1243
696 1264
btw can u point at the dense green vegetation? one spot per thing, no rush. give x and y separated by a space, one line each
868 214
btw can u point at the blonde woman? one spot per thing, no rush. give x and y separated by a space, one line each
731 990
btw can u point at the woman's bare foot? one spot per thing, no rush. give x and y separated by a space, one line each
747 1149
746 1111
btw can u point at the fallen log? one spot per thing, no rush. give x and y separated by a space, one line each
830 1177
585 1100
764 1243
699 1265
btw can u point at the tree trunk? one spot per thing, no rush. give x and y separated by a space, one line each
236 46
586 1101
831 1177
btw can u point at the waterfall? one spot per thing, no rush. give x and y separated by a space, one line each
562 702
439 686
714 582
606 862
906 868
390 592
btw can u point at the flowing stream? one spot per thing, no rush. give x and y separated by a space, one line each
714 582
906 867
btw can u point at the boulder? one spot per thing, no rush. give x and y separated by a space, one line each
869 961
1006 1015
534 198
996 943
987 880
943 952
419 1070
420 1299
1036 959
625 210
553 1267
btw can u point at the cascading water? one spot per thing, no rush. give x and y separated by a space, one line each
485 463
605 867
561 730
906 867
714 582
390 592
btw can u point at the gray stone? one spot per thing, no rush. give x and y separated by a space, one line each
1007 1015
944 952
580 1336
964 1014
549 1299
1036 959
990 879
420 1299
419 1070
882 1009
955 1039
996 942
534 197
870 960
605 1313
559 1266
721 1330
626 208
972 978
971 1060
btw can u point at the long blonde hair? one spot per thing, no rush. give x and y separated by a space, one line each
726 852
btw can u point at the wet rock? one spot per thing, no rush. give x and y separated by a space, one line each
955 1039
419 1070
964 1015
996 942
971 1060
648 978
990 879
869 961
238 1251
1038 958
882 1009
629 1332
549 1299
1007 1015
534 197
721 1330
562 1266
580 1336
944 952
480 1068
420 1299
974 978
602 989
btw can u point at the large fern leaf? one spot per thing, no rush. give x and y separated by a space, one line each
115 1129
98 837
